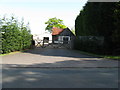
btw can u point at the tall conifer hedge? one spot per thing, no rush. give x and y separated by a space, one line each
100 19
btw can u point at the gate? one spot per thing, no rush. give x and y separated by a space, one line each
60 44
65 42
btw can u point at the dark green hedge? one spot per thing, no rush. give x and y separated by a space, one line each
15 35
89 44
100 19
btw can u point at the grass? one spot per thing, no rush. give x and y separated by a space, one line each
13 52
10 53
102 56
112 57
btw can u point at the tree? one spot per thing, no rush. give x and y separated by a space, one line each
116 32
54 22
15 35
97 19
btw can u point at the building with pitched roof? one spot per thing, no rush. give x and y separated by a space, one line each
64 36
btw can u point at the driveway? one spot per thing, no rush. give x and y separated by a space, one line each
58 68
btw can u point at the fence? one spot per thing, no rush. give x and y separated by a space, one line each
89 43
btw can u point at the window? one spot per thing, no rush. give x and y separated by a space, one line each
46 39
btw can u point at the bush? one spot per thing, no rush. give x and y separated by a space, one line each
15 35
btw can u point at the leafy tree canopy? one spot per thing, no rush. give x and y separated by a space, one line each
54 22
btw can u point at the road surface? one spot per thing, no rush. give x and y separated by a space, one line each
58 68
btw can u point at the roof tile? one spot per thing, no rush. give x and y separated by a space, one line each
56 31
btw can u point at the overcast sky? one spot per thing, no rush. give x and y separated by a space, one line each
37 12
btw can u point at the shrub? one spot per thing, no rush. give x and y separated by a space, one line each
15 35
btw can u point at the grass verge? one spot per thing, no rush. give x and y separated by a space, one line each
10 53
14 52
102 56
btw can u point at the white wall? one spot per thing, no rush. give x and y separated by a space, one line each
39 37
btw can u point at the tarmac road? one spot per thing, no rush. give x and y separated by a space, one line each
58 68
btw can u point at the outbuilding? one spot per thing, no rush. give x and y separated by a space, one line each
63 36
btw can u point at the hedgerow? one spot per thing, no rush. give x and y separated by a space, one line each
99 19
15 35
